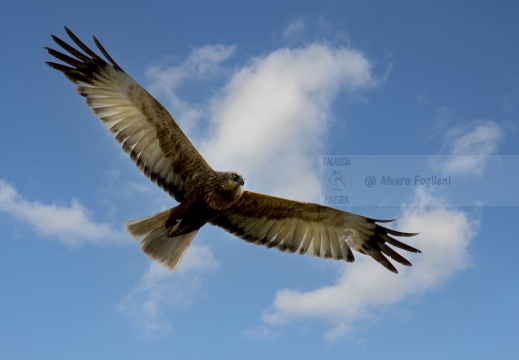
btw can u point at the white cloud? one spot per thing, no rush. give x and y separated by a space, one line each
294 29
272 116
70 224
468 148
483 139
260 332
201 62
161 288
365 289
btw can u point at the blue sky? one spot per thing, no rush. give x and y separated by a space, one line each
264 88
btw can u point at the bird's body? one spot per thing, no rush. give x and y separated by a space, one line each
204 203
154 141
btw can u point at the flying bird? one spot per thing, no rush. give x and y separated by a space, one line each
156 144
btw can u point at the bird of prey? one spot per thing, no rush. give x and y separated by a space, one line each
149 134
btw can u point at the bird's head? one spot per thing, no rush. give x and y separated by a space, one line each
237 178
227 187
231 179
230 182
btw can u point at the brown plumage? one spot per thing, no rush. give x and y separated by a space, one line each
159 148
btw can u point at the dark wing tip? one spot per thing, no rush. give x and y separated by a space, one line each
391 231
379 246
381 221
56 65
377 255
402 234
105 53
393 254
85 59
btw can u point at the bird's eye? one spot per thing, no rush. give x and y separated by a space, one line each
234 176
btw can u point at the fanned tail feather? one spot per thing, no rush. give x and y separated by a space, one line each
142 227
155 240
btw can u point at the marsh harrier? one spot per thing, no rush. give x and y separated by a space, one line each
147 132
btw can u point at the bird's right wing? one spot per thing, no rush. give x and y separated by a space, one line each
312 229
140 124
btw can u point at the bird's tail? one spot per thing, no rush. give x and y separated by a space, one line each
155 240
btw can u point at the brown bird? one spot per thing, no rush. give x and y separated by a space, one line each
159 148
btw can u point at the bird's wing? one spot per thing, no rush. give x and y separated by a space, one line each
140 124
311 229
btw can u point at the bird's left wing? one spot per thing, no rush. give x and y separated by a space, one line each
143 127
311 229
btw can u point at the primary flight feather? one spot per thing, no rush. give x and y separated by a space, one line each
149 134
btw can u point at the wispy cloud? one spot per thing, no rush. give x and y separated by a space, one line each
509 101
71 224
202 63
161 289
260 332
483 138
468 147
294 29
